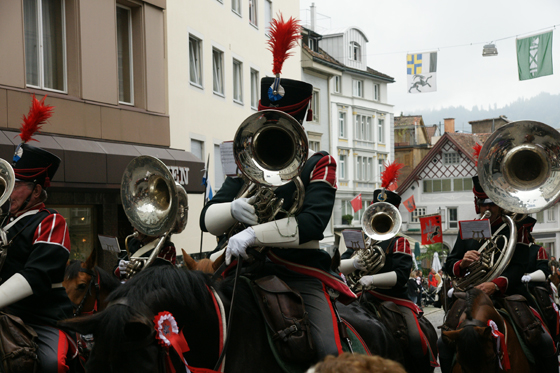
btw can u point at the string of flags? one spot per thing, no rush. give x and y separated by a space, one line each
534 60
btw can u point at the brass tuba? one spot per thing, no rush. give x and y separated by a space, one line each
381 221
7 182
154 204
270 149
519 170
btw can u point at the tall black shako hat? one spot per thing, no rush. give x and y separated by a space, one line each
31 163
389 181
287 95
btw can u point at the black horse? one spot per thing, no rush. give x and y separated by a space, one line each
125 337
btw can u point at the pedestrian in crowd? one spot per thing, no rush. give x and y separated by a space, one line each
432 281
553 264
412 287
357 363
439 277
419 283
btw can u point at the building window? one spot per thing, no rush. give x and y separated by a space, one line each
381 167
342 166
254 89
381 134
447 185
336 84
359 168
342 124
237 81
253 12
124 55
218 71
363 128
376 92
358 88
197 148
82 228
552 214
315 146
355 51
195 48
420 211
218 170
452 213
236 6
45 44
267 14
315 105
451 158
540 217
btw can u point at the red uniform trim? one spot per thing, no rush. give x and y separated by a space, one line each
362 342
402 246
62 352
502 283
325 170
542 254
53 230
457 270
334 321
543 326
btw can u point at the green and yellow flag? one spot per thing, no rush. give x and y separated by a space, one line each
534 56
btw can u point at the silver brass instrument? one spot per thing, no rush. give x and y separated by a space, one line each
381 221
154 204
270 149
518 168
7 183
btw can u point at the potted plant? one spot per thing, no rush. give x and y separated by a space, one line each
347 219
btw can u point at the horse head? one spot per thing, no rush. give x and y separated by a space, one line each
473 339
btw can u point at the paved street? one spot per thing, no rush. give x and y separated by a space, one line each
435 315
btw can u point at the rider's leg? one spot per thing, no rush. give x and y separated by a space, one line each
53 349
445 356
324 330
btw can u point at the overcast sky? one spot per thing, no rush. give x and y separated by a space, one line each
465 78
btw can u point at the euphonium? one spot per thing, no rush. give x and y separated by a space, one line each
154 204
270 149
7 182
519 170
381 221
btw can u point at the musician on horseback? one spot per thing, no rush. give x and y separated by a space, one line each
465 252
38 247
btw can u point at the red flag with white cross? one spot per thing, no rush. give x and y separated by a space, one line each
357 203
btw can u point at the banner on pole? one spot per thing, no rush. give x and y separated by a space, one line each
430 227
534 56
409 204
421 72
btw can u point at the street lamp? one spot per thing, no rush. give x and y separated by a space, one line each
489 50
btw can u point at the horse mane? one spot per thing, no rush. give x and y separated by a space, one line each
472 295
72 269
107 280
471 348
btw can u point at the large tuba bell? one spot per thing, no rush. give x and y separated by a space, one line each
381 221
518 168
154 204
270 149
7 182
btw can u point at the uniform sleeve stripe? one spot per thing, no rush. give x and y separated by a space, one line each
402 246
53 230
325 170
542 254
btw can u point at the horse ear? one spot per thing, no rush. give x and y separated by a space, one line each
81 324
90 261
189 261
450 336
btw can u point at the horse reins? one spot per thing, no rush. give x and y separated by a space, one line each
93 282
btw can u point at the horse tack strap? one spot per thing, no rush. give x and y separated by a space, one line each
501 346
220 312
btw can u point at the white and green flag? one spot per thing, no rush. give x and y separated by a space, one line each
534 56
421 72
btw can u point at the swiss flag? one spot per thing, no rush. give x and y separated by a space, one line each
357 203
410 204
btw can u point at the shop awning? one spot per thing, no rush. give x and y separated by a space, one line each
98 164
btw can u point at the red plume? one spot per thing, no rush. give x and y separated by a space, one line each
390 175
477 148
283 37
37 116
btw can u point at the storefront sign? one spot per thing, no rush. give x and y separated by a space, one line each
180 174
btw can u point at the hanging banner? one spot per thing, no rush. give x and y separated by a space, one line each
409 204
534 56
357 203
430 227
421 72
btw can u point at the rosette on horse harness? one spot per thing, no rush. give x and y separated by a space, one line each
519 170
154 203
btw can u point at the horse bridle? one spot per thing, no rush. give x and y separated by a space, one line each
476 322
93 282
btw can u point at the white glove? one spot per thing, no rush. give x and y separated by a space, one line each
526 278
243 211
238 244
450 293
366 281
122 266
359 263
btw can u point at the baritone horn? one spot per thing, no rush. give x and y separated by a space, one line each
381 221
518 168
154 203
7 182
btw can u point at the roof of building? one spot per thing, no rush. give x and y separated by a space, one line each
339 31
409 120
431 130
501 117
463 141
322 55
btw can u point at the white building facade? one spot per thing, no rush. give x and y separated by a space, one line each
217 54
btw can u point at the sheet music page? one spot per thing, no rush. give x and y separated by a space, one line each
228 161
354 239
475 229
110 244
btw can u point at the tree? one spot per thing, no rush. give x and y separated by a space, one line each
429 254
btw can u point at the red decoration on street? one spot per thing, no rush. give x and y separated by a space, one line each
390 175
430 227
283 37
37 116
357 203
410 204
